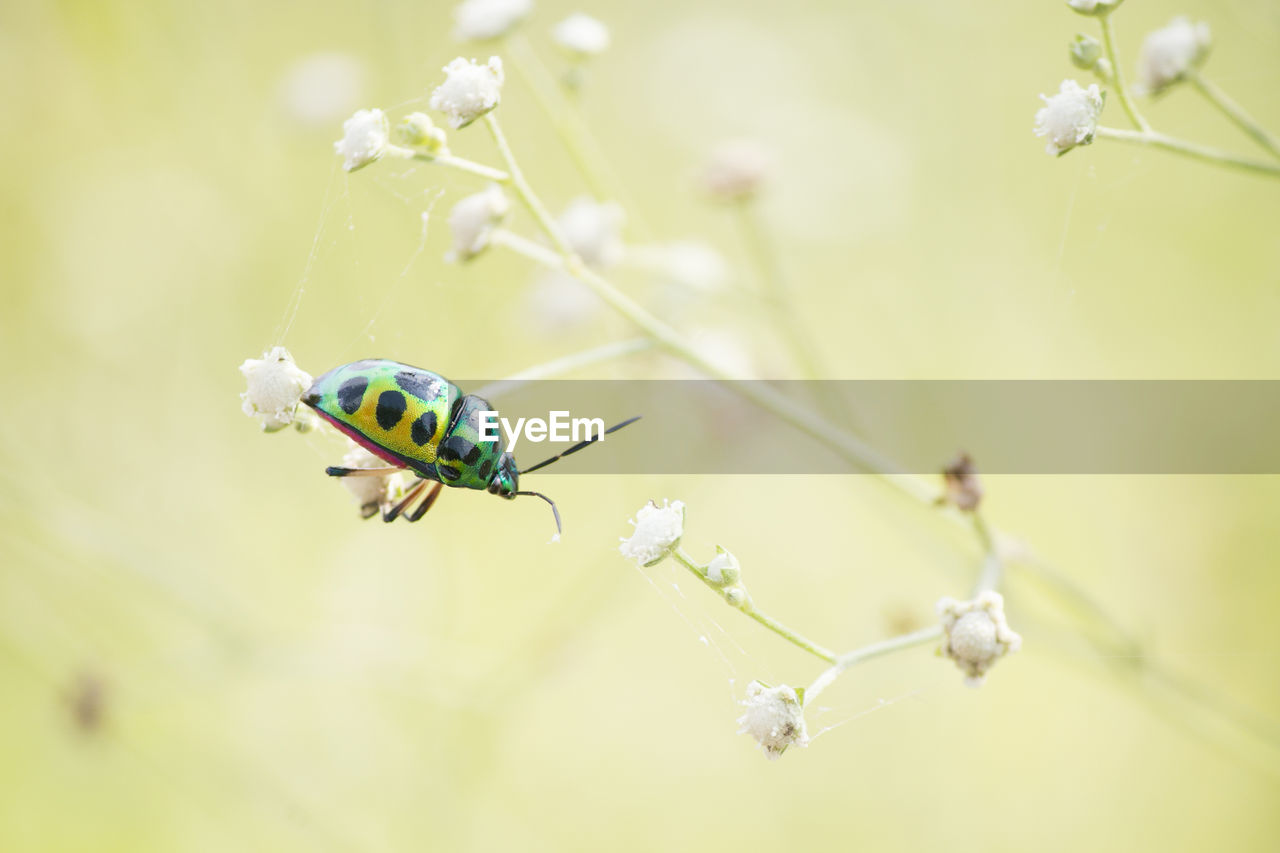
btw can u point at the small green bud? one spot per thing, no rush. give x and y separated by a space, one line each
418 130
723 569
1085 51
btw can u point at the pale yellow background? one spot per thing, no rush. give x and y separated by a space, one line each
279 676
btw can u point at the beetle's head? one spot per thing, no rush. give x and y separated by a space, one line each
506 479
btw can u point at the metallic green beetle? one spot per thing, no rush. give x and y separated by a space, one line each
418 420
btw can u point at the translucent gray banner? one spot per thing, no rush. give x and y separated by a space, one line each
1009 427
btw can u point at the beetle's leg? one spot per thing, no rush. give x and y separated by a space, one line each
409 497
334 471
426 503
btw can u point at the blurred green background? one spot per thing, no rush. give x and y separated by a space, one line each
203 648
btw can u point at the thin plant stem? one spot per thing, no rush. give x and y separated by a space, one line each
526 193
992 564
1203 153
1233 111
571 132
765 257
574 133
1117 76
566 364
857 656
748 607
450 161
797 415
524 246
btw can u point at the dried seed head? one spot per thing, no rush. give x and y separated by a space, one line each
774 717
975 634
963 488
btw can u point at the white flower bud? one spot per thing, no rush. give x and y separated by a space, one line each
481 20
469 91
372 493
736 170
1094 8
364 139
473 219
594 231
723 568
1069 118
1170 52
657 530
581 36
275 387
975 634
774 717
418 130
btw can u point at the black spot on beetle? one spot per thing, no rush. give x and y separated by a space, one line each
448 473
391 406
351 393
418 384
486 469
455 448
423 428
453 410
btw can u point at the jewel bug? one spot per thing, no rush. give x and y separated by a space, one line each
417 420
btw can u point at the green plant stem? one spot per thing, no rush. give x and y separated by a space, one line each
765 257
992 564
450 161
575 134
1233 111
565 364
564 122
526 194
748 607
1117 76
1202 153
797 415
857 656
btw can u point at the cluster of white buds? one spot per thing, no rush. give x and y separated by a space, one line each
419 131
1069 118
594 231
364 139
483 20
975 634
736 170
372 493
473 220
1170 52
581 36
469 90
657 531
774 716
275 387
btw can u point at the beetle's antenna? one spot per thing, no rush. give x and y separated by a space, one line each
581 444
554 511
